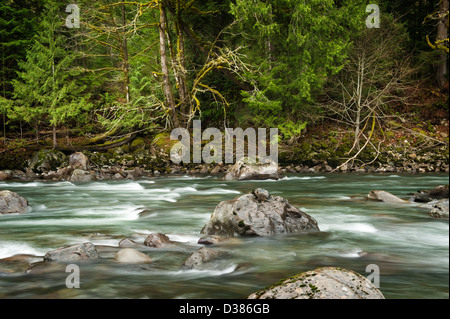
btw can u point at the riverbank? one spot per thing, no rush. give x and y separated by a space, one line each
321 149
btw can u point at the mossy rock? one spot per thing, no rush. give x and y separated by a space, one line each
121 150
47 160
164 142
137 144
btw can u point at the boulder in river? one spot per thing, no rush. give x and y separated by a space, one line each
425 196
245 169
78 161
258 214
440 209
79 176
128 243
386 197
157 240
12 203
322 283
46 160
130 255
200 257
215 240
84 251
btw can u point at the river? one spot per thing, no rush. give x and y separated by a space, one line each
410 248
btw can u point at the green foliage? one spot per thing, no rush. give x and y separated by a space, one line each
17 26
285 52
46 89
295 47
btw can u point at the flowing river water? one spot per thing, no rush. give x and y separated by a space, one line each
410 248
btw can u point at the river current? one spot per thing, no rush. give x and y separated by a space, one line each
410 248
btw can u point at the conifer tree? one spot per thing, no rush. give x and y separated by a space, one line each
46 88
17 19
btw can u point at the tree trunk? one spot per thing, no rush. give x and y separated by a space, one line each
442 33
359 93
37 131
164 68
181 63
55 142
126 65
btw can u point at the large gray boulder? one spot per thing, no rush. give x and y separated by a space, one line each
322 283
46 160
78 161
12 203
258 214
84 251
386 197
244 169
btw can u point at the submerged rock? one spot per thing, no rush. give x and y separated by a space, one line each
12 203
440 209
130 255
72 253
17 263
386 197
212 240
425 196
128 243
257 214
322 283
200 257
244 169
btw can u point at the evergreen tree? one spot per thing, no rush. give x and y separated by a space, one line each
295 46
17 20
46 88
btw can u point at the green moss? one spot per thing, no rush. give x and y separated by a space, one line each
306 147
164 142
333 141
137 144
47 160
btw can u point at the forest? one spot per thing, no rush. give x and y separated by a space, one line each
83 74
349 98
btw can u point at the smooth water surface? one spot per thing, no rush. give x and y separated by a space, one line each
410 248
